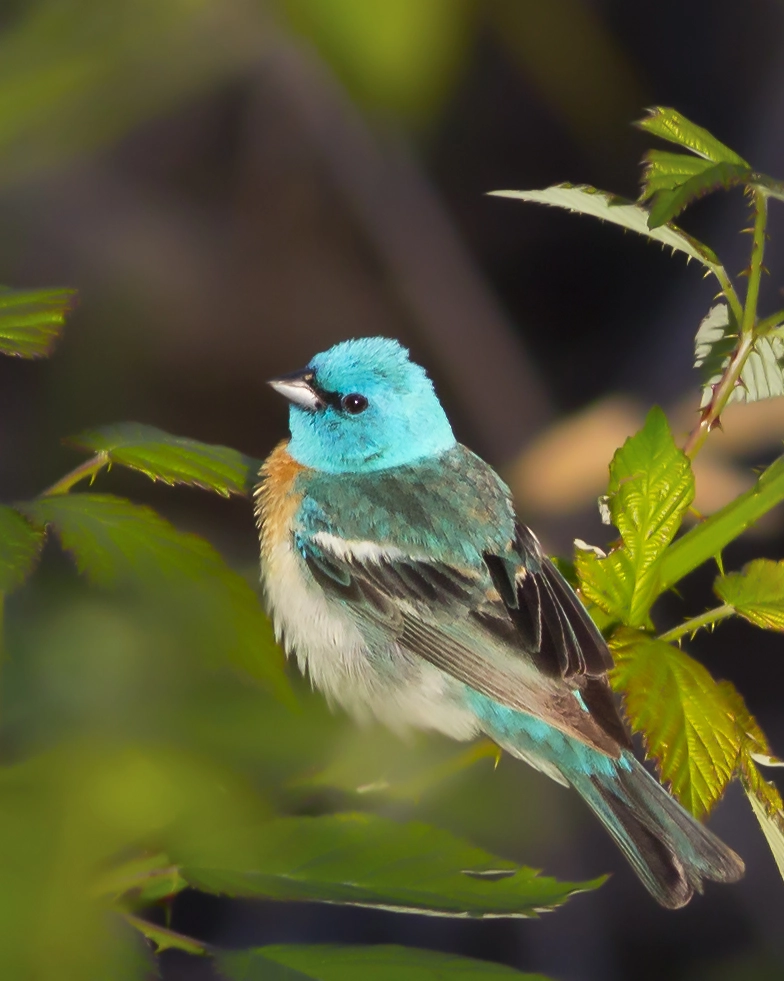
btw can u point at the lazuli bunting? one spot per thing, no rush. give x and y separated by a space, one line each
395 569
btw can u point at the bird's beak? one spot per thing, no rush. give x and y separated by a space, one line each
298 388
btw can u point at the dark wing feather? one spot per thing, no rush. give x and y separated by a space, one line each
449 617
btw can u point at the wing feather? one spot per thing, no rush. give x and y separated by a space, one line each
513 630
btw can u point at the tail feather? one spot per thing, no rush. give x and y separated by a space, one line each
670 851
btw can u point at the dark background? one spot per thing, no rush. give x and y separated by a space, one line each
233 186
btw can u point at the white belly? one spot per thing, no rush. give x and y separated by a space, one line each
397 688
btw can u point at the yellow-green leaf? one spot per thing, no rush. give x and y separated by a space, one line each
756 593
173 459
668 204
663 171
669 124
684 717
32 320
772 825
651 486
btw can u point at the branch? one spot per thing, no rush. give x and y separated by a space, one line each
87 469
691 626
723 390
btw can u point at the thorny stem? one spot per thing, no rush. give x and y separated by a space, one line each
755 272
729 292
691 626
163 937
87 469
748 323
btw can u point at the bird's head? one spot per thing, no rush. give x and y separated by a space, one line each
363 406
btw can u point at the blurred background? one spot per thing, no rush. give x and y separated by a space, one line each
234 185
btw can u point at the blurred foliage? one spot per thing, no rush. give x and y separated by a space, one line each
401 56
335 963
75 74
31 322
143 763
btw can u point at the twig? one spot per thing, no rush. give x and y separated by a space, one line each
723 390
87 469
691 626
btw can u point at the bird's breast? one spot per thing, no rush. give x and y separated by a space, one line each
325 640
386 682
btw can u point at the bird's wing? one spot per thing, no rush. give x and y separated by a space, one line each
511 629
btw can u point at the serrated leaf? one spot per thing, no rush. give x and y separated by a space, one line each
756 593
686 723
764 797
602 583
379 962
762 376
772 825
115 542
20 546
669 124
365 860
664 171
651 487
588 200
668 204
32 320
754 742
173 459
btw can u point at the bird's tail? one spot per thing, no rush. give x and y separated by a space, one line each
670 851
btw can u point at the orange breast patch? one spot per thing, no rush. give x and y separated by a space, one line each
276 505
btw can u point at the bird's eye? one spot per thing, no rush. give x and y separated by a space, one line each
354 403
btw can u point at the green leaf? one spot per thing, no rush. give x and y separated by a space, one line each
379 962
762 376
63 817
668 204
670 125
684 717
173 459
32 320
633 217
756 593
651 487
709 537
664 171
765 800
370 861
114 542
772 825
20 546
754 742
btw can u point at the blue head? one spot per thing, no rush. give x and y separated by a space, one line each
361 406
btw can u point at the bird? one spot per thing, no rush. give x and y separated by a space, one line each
396 572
